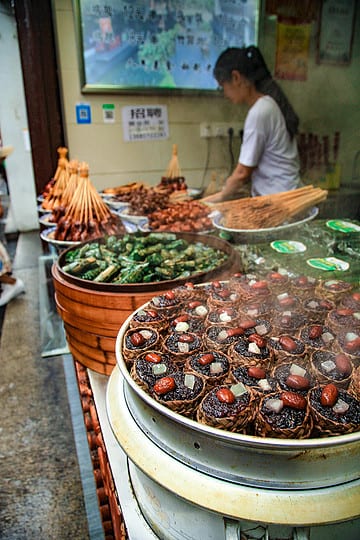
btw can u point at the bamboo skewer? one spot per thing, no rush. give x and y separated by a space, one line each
72 184
268 210
87 215
211 188
53 198
62 152
173 171
86 204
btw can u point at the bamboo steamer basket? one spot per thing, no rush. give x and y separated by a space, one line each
92 313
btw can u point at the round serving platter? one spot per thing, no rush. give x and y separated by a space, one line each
48 236
252 236
276 463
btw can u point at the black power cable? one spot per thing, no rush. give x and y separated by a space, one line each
206 163
231 151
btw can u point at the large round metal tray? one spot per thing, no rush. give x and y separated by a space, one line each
243 459
183 483
252 236
226 268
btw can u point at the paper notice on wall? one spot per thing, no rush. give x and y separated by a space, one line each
145 122
292 50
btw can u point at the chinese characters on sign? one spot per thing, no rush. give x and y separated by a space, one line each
145 122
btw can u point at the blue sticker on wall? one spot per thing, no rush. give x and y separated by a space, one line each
83 113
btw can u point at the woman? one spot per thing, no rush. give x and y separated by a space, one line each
268 154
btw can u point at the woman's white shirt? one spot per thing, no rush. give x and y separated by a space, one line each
268 147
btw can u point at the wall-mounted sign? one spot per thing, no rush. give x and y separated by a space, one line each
159 46
145 122
108 113
83 113
336 31
292 50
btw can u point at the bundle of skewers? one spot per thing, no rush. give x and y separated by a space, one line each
86 216
173 179
268 211
53 191
67 194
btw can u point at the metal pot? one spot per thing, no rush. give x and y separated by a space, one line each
242 459
292 484
179 501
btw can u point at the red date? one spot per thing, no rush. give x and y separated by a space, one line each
256 372
297 382
260 341
152 313
225 395
333 286
186 338
344 312
194 304
137 339
181 318
353 345
206 359
293 400
343 364
153 357
315 331
225 293
329 395
164 385
287 343
247 324
276 276
326 304
288 301
259 285
232 332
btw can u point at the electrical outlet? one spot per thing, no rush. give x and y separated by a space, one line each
220 129
205 130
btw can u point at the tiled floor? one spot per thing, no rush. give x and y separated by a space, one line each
47 490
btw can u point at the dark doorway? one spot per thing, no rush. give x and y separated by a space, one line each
36 36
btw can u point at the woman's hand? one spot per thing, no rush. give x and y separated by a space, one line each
240 176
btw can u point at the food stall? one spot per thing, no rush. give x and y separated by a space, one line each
160 466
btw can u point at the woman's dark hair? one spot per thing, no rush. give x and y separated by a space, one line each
250 63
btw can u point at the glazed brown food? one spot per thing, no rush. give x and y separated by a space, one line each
186 216
256 378
142 199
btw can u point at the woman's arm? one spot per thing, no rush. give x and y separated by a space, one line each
240 176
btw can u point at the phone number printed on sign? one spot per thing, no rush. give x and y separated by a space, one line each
145 122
